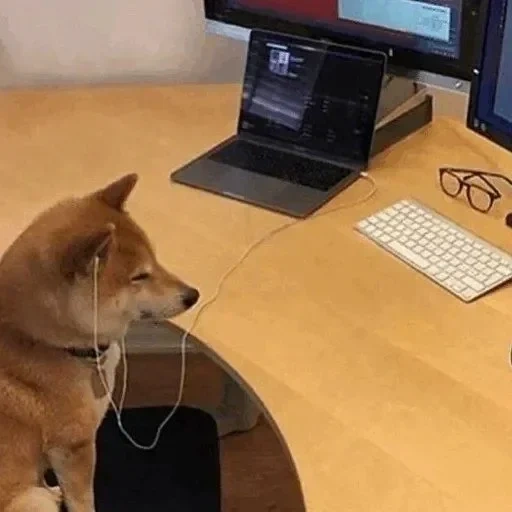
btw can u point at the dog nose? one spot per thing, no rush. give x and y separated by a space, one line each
190 297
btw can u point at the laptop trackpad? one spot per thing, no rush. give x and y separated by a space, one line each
233 181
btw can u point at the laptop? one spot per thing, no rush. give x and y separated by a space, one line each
305 127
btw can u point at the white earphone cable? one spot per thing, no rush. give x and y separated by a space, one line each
204 306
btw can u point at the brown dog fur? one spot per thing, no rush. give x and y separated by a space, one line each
50 402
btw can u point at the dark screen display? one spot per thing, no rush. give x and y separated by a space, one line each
503 100
430 26
491 98
316 97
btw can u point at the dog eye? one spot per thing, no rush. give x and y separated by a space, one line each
141 277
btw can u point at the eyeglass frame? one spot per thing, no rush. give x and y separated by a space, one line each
494 193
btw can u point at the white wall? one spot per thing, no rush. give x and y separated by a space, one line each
56 41
98 40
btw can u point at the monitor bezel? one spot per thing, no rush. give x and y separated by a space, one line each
401 61
473 122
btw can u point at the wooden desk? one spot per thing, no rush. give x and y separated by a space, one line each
391 394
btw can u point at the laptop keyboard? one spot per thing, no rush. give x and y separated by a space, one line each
278 164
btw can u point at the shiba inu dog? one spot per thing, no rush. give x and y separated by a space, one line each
51 397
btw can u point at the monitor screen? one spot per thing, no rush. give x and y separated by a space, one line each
436 36
296 92
490 102
432 26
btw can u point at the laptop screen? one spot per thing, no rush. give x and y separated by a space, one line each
314 96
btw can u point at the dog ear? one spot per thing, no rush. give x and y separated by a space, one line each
116 194
81 253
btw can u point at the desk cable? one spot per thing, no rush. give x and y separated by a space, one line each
183 343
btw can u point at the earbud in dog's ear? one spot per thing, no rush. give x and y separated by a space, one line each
81 253
116 194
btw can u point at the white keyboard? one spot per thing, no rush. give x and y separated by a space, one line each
454 258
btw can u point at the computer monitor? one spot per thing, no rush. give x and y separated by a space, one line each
490 100
429 41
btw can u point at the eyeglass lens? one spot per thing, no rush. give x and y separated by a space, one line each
479 198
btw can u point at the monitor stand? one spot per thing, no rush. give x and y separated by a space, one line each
404 108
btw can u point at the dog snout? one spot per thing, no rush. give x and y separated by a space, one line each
190 297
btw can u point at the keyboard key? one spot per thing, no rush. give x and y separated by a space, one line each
493 279
455 284
408 254
481 277
467 294
472 272
472 283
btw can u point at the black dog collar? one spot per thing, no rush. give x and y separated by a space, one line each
87 353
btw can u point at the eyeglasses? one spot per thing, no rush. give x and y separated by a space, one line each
481 193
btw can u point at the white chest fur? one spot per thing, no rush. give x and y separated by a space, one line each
109 363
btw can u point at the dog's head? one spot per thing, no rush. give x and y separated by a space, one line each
92 243
117 255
